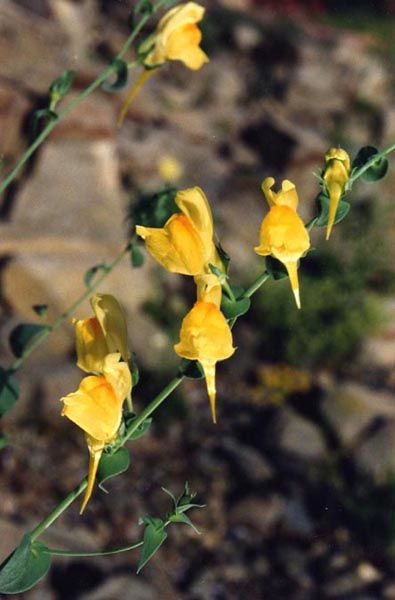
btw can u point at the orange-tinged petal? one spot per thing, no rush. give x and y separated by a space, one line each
178 38
95 408
205 334
91 345
118 375
112 320
177 246
95 448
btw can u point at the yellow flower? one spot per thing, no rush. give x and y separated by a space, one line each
282 233
96 407
336 175
206 336
177 37
170 169
98 336
185 243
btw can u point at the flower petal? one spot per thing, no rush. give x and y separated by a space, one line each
112 320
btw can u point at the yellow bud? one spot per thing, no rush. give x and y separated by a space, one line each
336 175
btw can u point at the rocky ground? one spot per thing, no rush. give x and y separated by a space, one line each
297 476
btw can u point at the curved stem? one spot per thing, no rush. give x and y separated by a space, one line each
87 554
77 100
68 312
58 510
259 281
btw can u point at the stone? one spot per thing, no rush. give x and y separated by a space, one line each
351 407
251 463
299 436
261 514
125 587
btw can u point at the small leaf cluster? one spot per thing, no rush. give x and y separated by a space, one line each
155 528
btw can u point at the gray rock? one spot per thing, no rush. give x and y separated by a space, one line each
299 436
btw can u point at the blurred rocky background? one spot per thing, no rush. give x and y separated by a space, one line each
299 474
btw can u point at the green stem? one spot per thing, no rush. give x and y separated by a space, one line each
309 226
367 165
69 311
77 100
259 281
152 406
60 508
87 554
228 290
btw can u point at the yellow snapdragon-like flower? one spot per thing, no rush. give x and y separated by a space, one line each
98 336
205 334
282 233
185 243
177 37
336 174
96 407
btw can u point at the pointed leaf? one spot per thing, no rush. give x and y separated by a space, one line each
39 115
379 168
191 369
90 274
141 429
40 309
137 256
275 268
183 518
224 256
25 334
322 202
121 70
24 567
9 391
236 308
154 536
111 465
61 86
144 7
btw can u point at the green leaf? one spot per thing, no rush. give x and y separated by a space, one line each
61 86
9 391
111 465
121 71
191 369
40 309
225 258
236 308
379 168
90 274
134 370
275 268
137 256
144 7
154 536
39 115
25 334
322 202
222 276
183 518
24 567
154 209
141 429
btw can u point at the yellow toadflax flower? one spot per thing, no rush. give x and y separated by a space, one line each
336 174
185 243
205 335
177 37
282 233
96 407
98 336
